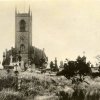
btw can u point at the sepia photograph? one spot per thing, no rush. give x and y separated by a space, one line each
49 50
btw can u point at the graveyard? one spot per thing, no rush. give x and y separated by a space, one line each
27 73
28 85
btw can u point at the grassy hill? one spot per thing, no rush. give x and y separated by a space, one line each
33 86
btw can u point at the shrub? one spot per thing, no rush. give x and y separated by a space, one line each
7 80
79 92
93 92
37 86
65 94
8 94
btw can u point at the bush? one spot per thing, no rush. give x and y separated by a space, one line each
7 94
79 92
65 94
7 80
93 92
34 86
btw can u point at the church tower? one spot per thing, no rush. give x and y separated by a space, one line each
23 34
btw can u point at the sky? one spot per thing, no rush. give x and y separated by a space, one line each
65 28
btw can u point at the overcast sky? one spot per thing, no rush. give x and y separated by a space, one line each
65 28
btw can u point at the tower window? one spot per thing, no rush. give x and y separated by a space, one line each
22 47
22 25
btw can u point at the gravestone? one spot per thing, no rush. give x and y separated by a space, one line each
11 57
22 66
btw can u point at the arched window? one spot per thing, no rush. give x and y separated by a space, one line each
22 25
22 47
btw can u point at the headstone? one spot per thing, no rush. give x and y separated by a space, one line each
33 67
22 65
15 67
26 66
29 68
11 57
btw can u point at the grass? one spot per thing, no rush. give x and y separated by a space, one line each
8 94
35 86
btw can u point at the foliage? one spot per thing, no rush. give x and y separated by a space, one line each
7 80
53 66
38 57
83 67
35 84
42 61
38 85
93 92
35 56
8 94
74 68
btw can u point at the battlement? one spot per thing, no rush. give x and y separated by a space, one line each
23 14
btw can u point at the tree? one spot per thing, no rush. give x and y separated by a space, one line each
69 69
51 65
78 67
37 56
55 65
83 67
42 61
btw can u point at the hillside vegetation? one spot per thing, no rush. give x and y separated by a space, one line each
33 86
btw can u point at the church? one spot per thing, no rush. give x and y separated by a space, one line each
23 50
